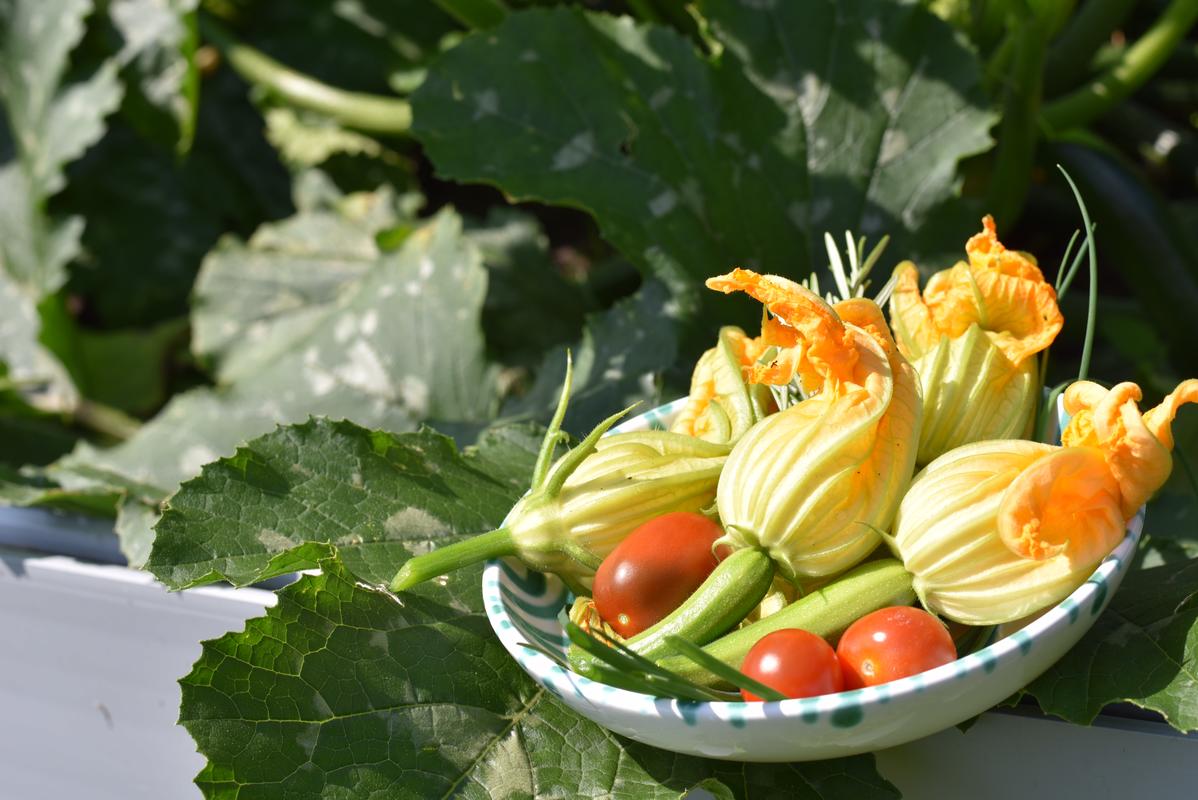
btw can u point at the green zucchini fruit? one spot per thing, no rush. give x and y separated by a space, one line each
826 612
730 592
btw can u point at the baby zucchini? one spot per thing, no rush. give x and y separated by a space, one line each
730 592
826 612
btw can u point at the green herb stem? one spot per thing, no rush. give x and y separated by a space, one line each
553 434
721 670
443 560
1092 306
1137 65
368 112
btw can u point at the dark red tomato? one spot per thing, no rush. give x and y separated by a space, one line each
892 643
651 572
795 662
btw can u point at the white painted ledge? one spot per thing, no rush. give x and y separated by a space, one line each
90 655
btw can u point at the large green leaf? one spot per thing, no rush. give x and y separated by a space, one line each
817 117
159 40
616 363
1142 650
255 300
890 97
697 171
530 307
284 499
49 126
341 691
27 368
400 344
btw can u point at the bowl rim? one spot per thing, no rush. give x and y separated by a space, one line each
1091 595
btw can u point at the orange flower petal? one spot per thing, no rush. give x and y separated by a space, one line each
1000 290
910 318
1136 447
827 350
1064 503
1160 419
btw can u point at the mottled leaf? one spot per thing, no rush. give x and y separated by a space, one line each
254 300
687 167
398 345
49 126
890 97
1142 650
816 117
159 39
342 690
530 307
284 499
27 368
616 363
36 491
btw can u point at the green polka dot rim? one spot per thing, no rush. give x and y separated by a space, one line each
523 608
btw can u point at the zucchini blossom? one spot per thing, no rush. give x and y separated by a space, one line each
972 336
996 531
815 483
722 405
587 502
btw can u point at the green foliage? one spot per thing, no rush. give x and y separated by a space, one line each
189 240
286 500
1142 651
708 164
340 690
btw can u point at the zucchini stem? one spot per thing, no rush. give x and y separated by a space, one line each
495 544
1139 63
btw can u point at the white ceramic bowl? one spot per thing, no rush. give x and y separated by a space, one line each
523 607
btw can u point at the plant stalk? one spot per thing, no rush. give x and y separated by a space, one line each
367 112
1087 31
105 419
1136 66
443 560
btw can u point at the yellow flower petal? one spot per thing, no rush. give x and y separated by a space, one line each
720 407
910 318
1000 290
1110 421
1065 503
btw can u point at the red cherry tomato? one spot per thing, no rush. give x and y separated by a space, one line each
651 572
892 643
795 662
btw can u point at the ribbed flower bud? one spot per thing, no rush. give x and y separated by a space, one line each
972 336
814 483
721 406
996 531
584 504
628 480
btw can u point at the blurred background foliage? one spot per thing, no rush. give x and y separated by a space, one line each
220 216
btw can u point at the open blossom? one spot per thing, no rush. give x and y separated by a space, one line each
995 531
814 483
971 336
